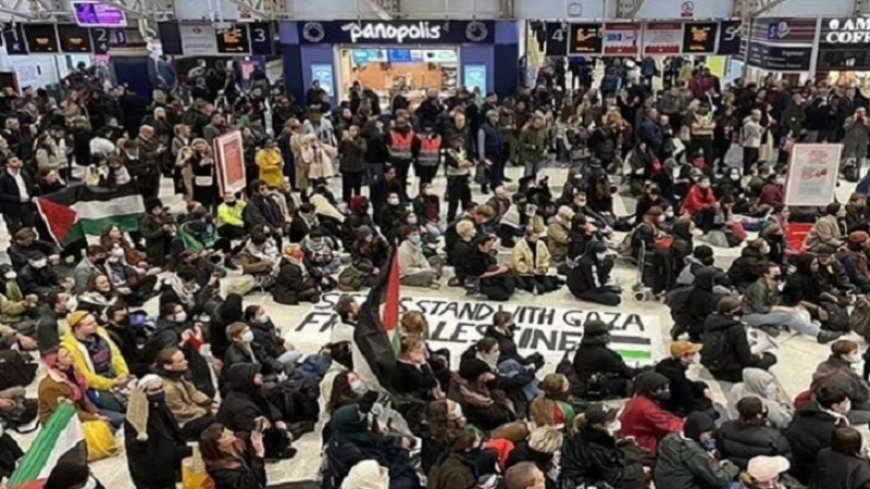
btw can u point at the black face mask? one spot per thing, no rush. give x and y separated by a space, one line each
231 204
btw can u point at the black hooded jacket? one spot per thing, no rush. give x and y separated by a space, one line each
244 404
155 461
747 268
809 432
702 300
726 349
591 456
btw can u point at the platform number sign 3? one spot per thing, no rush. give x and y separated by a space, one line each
261 38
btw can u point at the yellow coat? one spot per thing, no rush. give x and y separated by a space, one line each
83 361
522 257
271 166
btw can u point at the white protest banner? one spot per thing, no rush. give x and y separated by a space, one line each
812 174
552 331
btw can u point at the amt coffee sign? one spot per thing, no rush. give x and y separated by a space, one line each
846 31
397 32
844 45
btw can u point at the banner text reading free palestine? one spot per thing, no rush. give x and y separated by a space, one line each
455 325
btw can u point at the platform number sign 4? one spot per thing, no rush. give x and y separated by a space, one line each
557 39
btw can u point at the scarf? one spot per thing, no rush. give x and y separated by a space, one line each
73 379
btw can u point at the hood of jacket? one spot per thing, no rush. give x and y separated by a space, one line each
707 277
718 322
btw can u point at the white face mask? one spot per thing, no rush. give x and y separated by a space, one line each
662 218
262 319
704 185
11 275
600 256
180 317
490 358
247 336
41 263
393 201
614 427
853 358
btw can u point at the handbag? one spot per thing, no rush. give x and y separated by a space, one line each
664 242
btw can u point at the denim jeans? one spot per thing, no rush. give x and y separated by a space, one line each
290 357
510 368
533 167
115 418
791 321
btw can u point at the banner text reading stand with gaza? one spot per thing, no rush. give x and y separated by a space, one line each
552 331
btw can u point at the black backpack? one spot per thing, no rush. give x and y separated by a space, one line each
15 371
715 346
677 301
851 171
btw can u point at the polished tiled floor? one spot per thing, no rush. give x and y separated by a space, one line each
797 355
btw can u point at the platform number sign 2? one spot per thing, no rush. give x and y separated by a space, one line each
261 38
557 39
100 38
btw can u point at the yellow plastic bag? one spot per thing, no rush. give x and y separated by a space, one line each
99 439
193 474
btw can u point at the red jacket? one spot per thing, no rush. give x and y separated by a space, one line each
698 199
645 420
771 194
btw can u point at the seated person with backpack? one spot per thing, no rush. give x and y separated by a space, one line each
726 347
600 372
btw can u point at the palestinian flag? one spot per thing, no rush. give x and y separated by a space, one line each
61 439
375 335
78 211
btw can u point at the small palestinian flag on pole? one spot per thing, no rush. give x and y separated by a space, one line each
78 211
375 336
60 440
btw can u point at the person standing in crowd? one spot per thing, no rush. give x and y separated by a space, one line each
16 193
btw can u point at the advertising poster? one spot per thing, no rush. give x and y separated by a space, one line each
812 174
474 76
700 37
230 159
662 38
198 39
323 74
586 39
621 39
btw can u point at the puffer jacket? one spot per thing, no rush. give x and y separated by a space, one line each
648 422
739 441
591 456
810 432
836 372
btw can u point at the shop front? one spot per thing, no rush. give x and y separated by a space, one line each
844 52
779 46
411 56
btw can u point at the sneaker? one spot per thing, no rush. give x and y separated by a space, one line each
827 336
454 282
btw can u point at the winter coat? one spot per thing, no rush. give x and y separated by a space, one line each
594 357
739 441
684 464
835 470
702 300
243 404
250 475
291 280
591 456
184 400
83 364
525 262
686 395
809 433
507 346
698 199
780 411
648 422
838 373
728 362
455 472
825 231
558 240
156 461
747 268
857 138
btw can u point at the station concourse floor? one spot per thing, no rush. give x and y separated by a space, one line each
797 355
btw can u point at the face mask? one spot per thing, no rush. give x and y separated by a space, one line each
662 218
663 395
710 445
231 204
415 238
765 250
735 177
180 317
262 319
854 358
412 221
704 185
41 263
490 358
317 242
778 181
247 336
614 427
393 201
11 275
157 397
359 388
581 203
847 406
600 256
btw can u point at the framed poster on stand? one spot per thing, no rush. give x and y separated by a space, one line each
230 159
813 170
